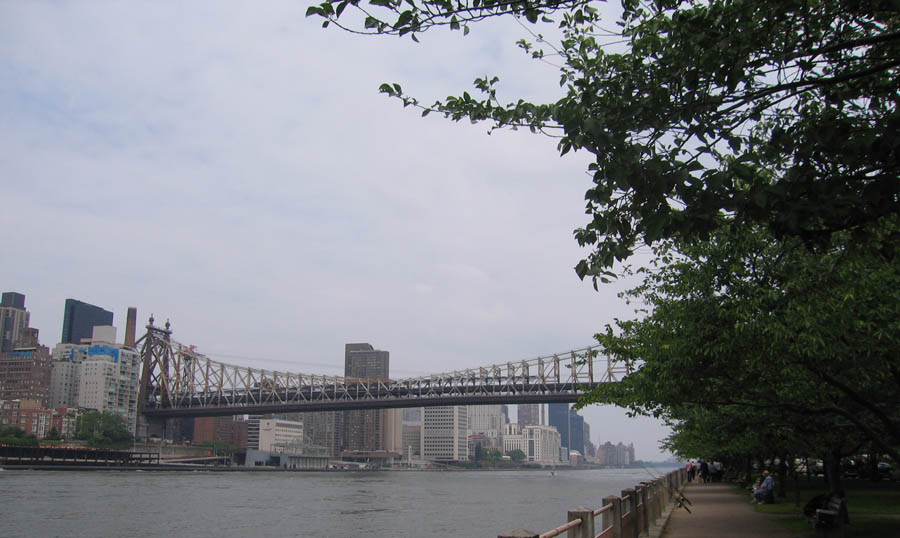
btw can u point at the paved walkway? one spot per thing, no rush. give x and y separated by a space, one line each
718 511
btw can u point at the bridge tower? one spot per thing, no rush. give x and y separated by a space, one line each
156 354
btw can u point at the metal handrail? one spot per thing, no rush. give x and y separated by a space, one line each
561 529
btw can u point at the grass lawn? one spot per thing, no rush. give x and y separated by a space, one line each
864 499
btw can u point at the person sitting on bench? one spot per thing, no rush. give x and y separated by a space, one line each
765 493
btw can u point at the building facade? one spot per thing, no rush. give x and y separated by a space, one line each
558 417
541 444
275 432
14 319
486 420
25 374
79 320
363 429
444 433
529 414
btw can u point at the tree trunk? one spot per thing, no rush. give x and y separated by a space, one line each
832 466
781 483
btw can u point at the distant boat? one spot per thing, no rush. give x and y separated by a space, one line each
552 473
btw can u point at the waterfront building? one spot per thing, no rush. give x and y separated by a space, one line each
79 320
14 319
363 429
444 433
25 374
275 432
541 444
27 415
486 420
512 438
529 414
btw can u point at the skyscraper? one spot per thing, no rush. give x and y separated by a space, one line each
576 432
79 320
363 429
14 319
530 414
558 417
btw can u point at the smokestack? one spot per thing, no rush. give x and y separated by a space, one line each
130 323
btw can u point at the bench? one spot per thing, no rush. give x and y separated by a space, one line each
831 517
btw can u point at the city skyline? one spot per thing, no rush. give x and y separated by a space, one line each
272 205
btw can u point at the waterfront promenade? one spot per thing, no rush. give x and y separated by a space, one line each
717 511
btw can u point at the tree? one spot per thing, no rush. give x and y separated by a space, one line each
750 322
11 435
53 434
103 430
516 455
777 114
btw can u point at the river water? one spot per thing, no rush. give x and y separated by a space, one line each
285 504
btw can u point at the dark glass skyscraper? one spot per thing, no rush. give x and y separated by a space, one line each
576 432
558 417
363 428
79 320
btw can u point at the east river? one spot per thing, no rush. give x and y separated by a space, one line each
285 504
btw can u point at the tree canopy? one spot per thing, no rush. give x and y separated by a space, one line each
778 114
103 430
746 326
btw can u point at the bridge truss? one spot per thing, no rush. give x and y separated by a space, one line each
178 381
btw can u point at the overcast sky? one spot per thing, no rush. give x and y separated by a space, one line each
233 168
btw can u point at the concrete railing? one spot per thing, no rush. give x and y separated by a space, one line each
629 516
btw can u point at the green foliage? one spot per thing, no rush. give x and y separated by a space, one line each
779 114
52 435
103 430
11 435
516 455
746 334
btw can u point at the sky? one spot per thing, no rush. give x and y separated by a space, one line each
231 167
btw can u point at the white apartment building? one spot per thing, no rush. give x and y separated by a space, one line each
65 374
274 433
445 433
486 420
101 375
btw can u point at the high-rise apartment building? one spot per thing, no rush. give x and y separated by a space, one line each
444 433
110 377
530 414
14 320
99 375
79 320
541 444
364 429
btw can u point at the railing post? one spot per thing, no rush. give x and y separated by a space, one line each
632 497
519 533
613 516
642 491
586 529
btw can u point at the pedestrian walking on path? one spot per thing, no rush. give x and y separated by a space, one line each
717 511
